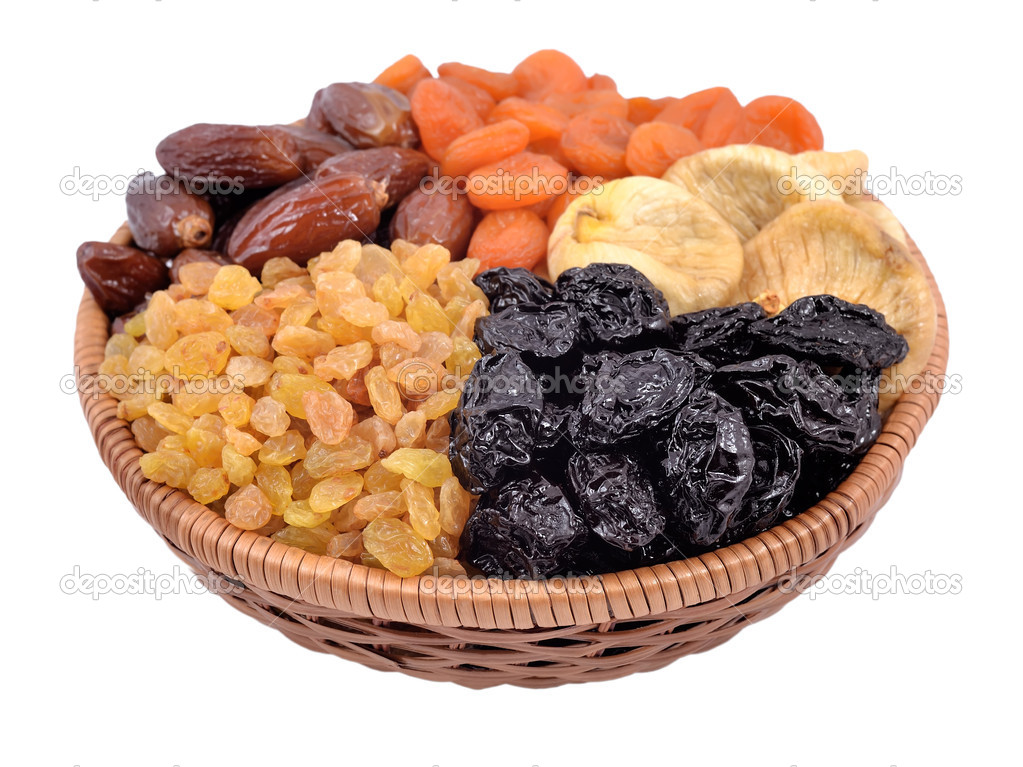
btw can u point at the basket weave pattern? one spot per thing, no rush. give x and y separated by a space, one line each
487 632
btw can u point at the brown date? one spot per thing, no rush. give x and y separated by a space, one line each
119 276
365 114
164 217
307 219
245 156
435 217
190 256
398 169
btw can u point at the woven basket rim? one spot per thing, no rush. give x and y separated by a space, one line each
732 573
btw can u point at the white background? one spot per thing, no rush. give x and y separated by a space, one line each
842 679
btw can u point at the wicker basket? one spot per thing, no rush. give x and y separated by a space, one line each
481 633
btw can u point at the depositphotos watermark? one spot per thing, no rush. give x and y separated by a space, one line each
860 182
512 185
145 583
144 382
100 185
862 582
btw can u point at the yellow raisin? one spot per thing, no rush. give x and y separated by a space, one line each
283 450
410 431
249 371
390 503
385 291
302 482
300 514
199 354
248 341
345 545
241 470
364 312
208 484
233 287
383 395
329 415
314 540
236 408
148 433
419 464
242 441
343 258
397 547
169 467
195 315
160 320
343 362
439 404
342 331
378 479
455 504
204 446
424 314
248 508
334 492
288 388
135 326
120 343
423 514
170 417
323 460
275 482
197 277
400 333
146 357
279 268
378 433
269 417
425 263
300 341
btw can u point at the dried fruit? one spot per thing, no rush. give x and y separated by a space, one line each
421 465
233 287
119 276
525 530
397 547
543 332
678 241
748 185
654 147
595 144
484 145
442 113
403 75
334 492
548 71
398 170
831 248
305 220
248 508
516 181
364 114
164 217
510 238
778 122
506 287
616 498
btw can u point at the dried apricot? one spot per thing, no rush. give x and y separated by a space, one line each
484 145
644 110
548 71
442 114
509 238
654 146
403 74
595 145
498 84
692 111
722 119
778 122
601 83
481 101
606 102
542 121
517 181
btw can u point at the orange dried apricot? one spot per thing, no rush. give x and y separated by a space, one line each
721 121
692 110
403 74
481 101
579 186
643 109
778 122
543 121
442 114
654 146
595 145
601 83
484 145
509 238
499 85
545 72
605 102
516 181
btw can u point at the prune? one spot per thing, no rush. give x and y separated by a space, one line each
190 256
616 498
305 220
493 429
507 287
831 331
525 529
397 169
618 307
775 473
538 332
552 430
709 466
164 217
443 219
119 276
803 402
626 395
364 114
720 335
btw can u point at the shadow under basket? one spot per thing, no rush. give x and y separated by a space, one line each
484 632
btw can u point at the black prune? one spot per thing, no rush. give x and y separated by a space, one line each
803 402
775 473
626 395
618 307
709 466
539 332
831 331
616 498
493 429
527 528
552 431
508 287
721 335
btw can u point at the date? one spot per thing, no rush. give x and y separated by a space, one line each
165 218
444 219
119 276
398 169
306 219
364 114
